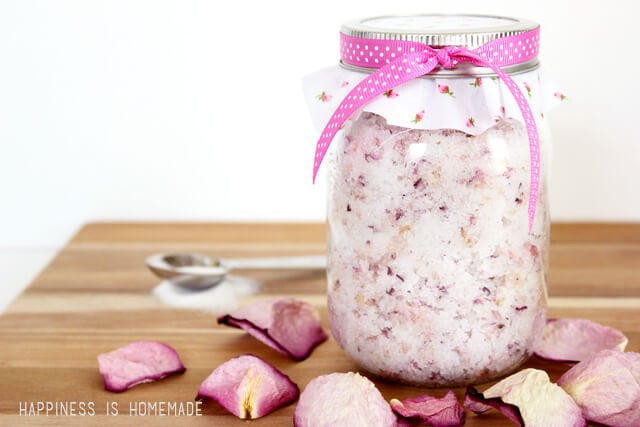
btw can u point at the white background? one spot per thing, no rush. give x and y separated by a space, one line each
192 110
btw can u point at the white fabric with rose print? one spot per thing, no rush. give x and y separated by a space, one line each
470 105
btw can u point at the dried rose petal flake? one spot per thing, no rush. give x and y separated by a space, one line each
437 412
248 387
573 340
538 401
606 387
288 325
342 399
138 362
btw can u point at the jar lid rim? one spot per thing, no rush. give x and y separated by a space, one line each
468 30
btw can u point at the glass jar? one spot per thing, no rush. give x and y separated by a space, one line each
433 276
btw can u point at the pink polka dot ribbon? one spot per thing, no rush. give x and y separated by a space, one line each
399 61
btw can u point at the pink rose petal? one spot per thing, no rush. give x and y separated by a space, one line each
437 412
573 340
248 387
288 325
138 362
478 403
342 399
606 387
540 403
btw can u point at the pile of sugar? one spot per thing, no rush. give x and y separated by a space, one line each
433 278
219 299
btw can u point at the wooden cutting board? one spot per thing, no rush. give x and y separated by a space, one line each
95 296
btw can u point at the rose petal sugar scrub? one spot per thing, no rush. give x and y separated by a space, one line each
438 216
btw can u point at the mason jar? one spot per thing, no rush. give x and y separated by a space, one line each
437 260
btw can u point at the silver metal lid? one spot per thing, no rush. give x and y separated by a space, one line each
470 31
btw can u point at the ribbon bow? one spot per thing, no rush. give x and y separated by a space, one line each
407 60
445 55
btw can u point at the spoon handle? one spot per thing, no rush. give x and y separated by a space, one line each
313 262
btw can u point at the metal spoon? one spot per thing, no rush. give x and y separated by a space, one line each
197 271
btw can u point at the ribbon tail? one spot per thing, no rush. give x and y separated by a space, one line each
532 134
406 68
534 145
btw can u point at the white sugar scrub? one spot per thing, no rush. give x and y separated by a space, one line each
432 276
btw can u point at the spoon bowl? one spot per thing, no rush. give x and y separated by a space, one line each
198 271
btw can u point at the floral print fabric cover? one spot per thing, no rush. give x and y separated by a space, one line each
471 105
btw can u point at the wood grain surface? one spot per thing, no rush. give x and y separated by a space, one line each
95 296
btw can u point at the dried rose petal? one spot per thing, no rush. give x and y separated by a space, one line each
289 325
538 401
573 340
437 412
478 403
248 387
138 362
404 422
606 387
342 399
